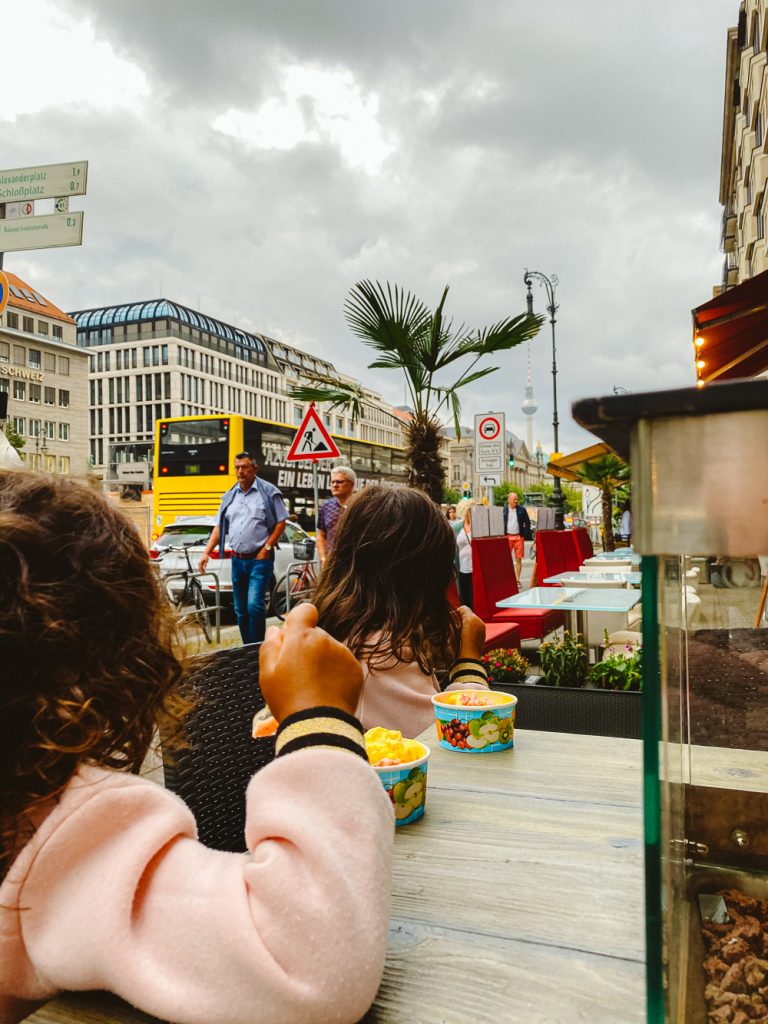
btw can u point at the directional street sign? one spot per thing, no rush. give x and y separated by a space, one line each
490 445
48 181
47 232
312 441
5 291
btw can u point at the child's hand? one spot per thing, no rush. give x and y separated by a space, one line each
301 667
472 634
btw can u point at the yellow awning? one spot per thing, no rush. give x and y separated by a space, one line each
567 465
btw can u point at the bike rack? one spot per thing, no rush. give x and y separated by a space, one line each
217 590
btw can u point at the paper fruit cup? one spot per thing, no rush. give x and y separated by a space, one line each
476 730
406 785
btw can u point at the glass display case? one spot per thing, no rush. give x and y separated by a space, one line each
699 461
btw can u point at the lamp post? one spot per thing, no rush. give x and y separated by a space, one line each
550 284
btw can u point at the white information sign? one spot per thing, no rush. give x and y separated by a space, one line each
490 445
48 181
47 232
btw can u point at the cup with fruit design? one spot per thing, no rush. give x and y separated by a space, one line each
475 721
401 764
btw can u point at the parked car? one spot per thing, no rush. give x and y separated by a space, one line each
295 545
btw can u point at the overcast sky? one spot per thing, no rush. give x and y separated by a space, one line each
254 159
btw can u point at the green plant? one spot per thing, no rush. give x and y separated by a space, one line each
451 496
619 671
564 662
610 474
409 337
14 440
505 666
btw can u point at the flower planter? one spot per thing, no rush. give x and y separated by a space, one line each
578 710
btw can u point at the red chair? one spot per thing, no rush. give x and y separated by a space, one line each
556 552
497 634
583 543
493 578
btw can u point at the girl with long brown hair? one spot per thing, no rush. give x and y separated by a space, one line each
103 884
384 593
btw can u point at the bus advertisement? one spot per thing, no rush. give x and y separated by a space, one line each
194 465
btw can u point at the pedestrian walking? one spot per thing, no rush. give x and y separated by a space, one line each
517 527
251 519
343 480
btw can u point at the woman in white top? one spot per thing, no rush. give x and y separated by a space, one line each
464 542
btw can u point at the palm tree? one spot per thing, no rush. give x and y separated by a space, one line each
410 337
609 473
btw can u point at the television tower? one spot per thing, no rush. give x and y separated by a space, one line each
528 408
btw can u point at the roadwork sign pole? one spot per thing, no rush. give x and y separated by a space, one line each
317 500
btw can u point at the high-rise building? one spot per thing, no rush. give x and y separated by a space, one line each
744 161
156 359
46 378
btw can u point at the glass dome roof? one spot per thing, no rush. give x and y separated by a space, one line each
156 309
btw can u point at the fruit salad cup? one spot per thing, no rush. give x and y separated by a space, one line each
402 767
475 721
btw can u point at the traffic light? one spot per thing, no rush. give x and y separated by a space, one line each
511 461
466 490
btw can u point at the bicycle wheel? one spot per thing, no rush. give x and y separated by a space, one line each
201 610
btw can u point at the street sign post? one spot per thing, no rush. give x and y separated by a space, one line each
48 181
490 449
312 443
46 232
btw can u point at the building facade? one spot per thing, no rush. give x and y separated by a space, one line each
159 359
524 469
744 160
46 378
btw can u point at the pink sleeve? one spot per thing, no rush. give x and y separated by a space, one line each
120 896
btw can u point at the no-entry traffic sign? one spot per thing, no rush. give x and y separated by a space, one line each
490 443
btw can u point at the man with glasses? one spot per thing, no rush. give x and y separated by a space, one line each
343 480
250 520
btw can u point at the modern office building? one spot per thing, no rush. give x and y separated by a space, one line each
156 359
46 378
744 161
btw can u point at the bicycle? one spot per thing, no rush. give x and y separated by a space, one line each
190 594
300 579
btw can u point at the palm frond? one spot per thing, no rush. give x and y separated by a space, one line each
507 333
335 393
475 376
387 318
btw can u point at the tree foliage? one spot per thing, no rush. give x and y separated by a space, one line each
15 440
423 345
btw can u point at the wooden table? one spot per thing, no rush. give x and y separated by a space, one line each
518 898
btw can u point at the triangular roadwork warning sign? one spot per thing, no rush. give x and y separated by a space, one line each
312 441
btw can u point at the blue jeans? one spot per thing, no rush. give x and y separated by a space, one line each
250 579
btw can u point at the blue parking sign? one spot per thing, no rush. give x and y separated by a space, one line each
5 291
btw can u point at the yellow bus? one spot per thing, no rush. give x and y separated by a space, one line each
194 457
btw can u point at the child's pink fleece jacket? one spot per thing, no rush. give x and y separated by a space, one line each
114 892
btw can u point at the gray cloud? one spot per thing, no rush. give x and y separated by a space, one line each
581 139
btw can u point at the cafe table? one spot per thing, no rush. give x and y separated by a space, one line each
625 555
517 898
574 600
612 575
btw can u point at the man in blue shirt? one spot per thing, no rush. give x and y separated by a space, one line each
250 520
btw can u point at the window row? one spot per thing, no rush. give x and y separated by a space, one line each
34 358
147 386
23 391
50 463
28 325
43 429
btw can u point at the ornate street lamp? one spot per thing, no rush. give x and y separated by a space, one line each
550 284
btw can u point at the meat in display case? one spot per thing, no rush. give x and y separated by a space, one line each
699 462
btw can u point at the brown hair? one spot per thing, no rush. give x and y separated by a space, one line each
89 656
389 571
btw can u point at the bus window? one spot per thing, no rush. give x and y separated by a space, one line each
382 460
360 457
